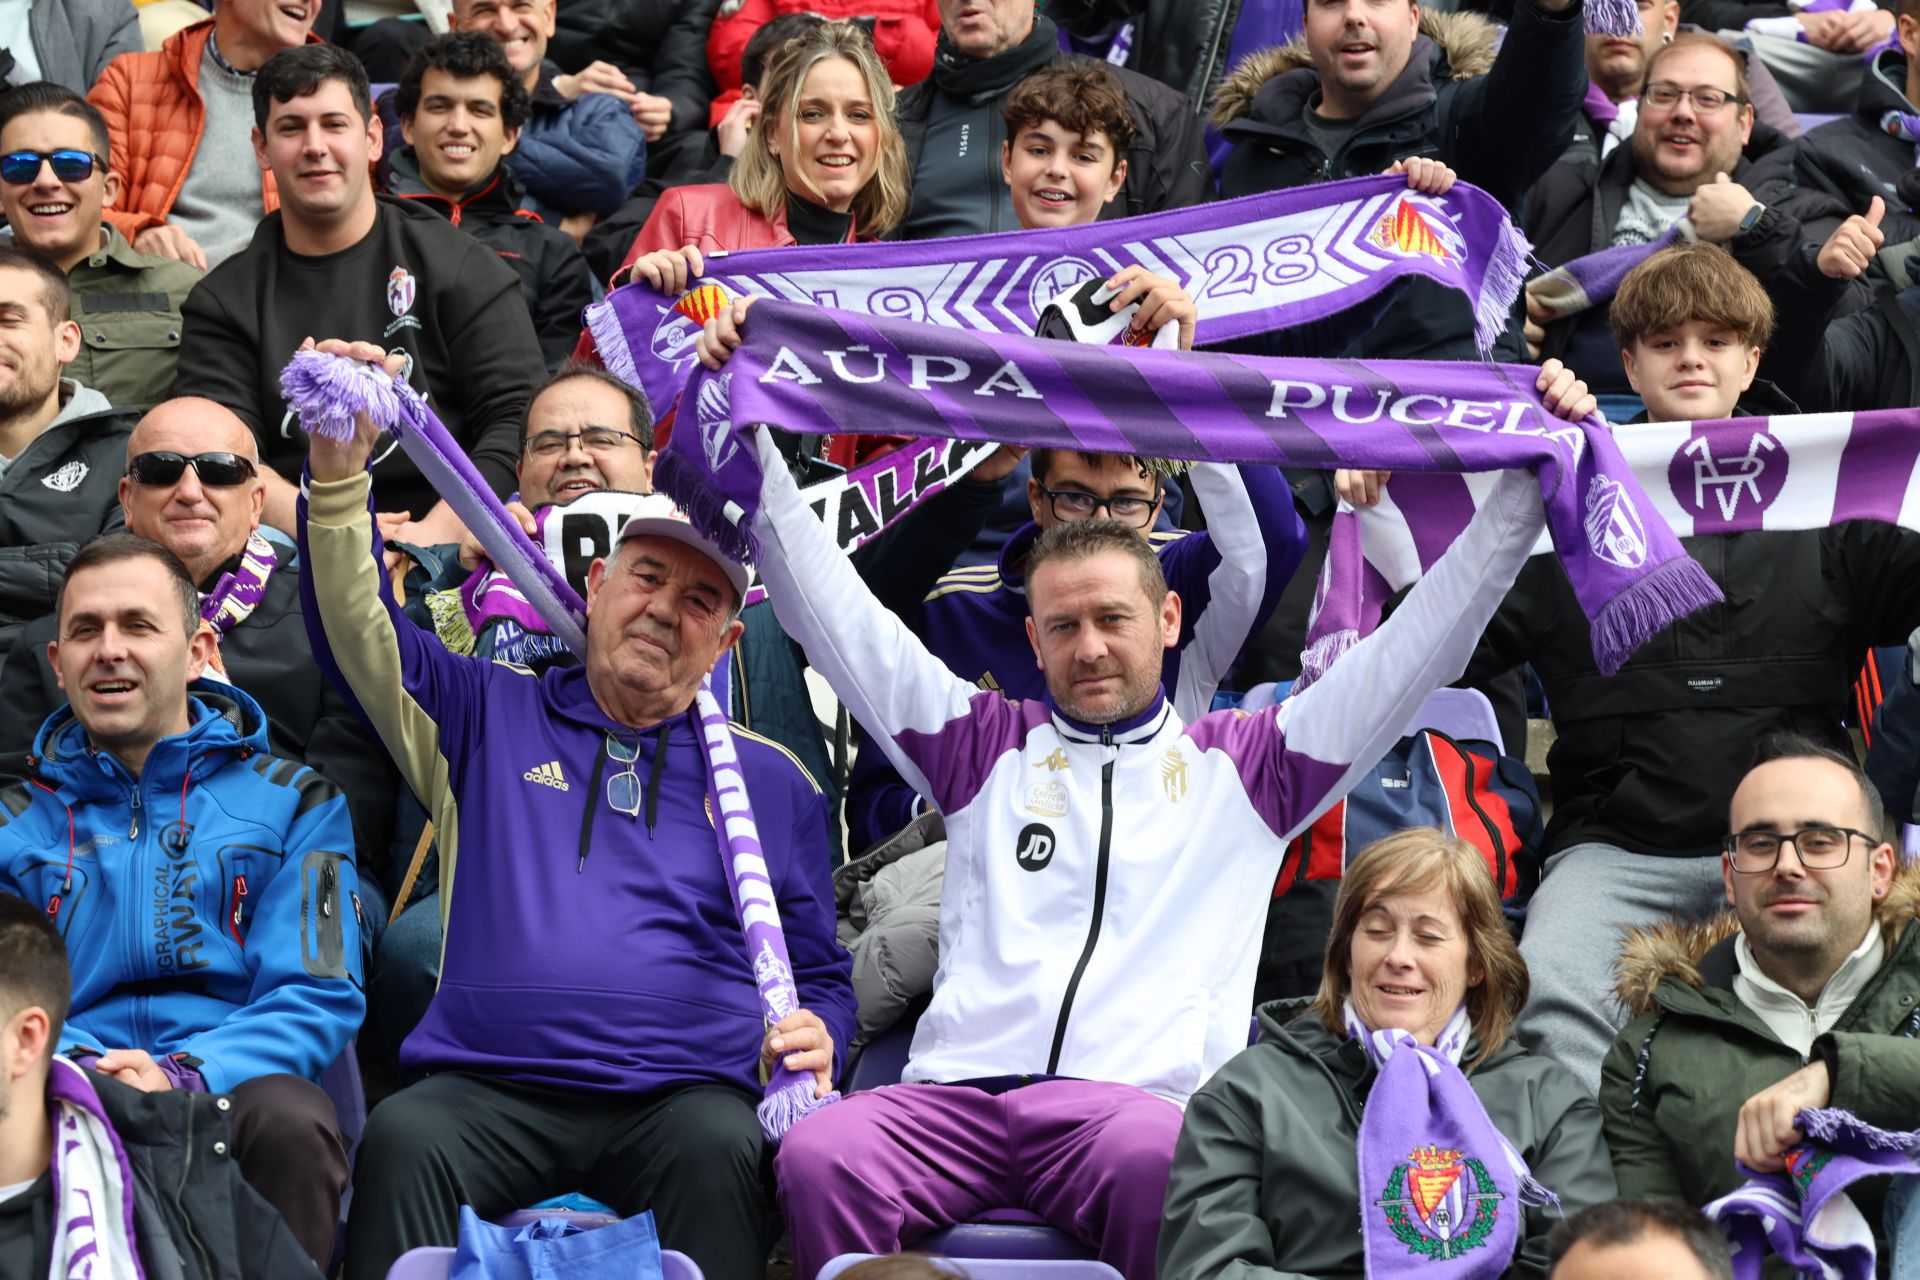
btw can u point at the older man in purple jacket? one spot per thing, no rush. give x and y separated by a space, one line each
597 1026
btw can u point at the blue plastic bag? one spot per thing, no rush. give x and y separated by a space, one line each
555 1249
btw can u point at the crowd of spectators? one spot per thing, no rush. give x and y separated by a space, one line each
274 803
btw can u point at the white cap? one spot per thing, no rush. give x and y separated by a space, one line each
655 516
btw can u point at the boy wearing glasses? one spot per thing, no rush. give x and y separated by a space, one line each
1801 996
54 183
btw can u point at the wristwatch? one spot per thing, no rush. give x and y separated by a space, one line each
1749 218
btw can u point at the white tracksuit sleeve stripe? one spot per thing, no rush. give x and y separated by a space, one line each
1364 703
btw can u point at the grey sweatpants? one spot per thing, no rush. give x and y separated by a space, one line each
1590 896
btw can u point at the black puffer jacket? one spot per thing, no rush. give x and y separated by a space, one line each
1572 211
1831 357
1853 159
1182 43
951 124
1499 121
554 279
62 490
194 1216
1647 759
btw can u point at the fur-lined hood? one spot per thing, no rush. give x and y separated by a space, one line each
1468 40
1675 949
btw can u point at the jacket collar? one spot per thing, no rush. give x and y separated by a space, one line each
977 81
224 722
1136 728
117 249
1884 88
497 198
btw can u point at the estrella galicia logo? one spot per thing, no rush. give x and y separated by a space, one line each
1033 850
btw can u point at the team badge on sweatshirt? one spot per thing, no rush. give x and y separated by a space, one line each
67 478
401 288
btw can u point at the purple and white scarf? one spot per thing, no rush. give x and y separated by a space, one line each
796 370
328 392
237 594
1805 1214
1253 265
1592 281
1806 471
1442 1191
92 1184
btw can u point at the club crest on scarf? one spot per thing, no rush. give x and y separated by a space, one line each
714 414
1804 1164
1062 275
1442 1203
1726 471
1614 531
1405 231
681 323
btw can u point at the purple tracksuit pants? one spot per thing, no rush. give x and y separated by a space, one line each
879 1169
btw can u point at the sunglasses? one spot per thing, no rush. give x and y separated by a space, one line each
222 470
18 168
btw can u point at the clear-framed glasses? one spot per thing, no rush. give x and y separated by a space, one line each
551 444
623 788
1706 100
1818 848
1071 504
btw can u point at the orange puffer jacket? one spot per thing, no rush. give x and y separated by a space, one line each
155 117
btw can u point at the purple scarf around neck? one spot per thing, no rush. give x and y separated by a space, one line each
240 590
328 392
1253 265
1441 1189
1804 1214
813 370
93 1187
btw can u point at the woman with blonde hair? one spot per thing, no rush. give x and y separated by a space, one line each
824 164
1395 1101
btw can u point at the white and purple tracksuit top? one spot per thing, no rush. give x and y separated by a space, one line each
1106 886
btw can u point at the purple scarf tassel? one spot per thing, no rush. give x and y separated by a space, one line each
798 370
1612 18
329 392
1805 1214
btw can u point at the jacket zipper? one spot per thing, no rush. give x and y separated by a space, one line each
1099 904
239 900
133 823
180 1196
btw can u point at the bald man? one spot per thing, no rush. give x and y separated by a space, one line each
193 485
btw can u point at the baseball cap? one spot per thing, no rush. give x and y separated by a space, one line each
655 516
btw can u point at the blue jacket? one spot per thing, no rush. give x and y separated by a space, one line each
238 947
585 948
580 156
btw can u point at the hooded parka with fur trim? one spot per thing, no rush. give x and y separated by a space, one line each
1673 1084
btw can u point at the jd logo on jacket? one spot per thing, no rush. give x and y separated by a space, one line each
1034 848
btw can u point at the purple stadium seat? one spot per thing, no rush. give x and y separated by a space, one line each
998 1268
422 1264
585 1219
1008 1235
881 1060
1459 713
434 1263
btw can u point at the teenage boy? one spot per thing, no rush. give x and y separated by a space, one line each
335 258
461 110
1647 761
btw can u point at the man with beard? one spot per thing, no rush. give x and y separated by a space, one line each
60 442
1696 152
1799 997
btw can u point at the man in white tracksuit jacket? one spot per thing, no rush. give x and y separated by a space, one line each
1108 869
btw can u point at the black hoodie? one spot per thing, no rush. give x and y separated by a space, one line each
1853 159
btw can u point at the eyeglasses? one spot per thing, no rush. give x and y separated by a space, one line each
551 444
1818 848
623 789
222 470
1071 504
18 168
1706 101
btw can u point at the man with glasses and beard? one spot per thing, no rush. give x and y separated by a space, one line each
597 1025
1801 996
190 481
60 442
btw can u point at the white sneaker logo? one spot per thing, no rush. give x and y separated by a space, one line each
548 775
